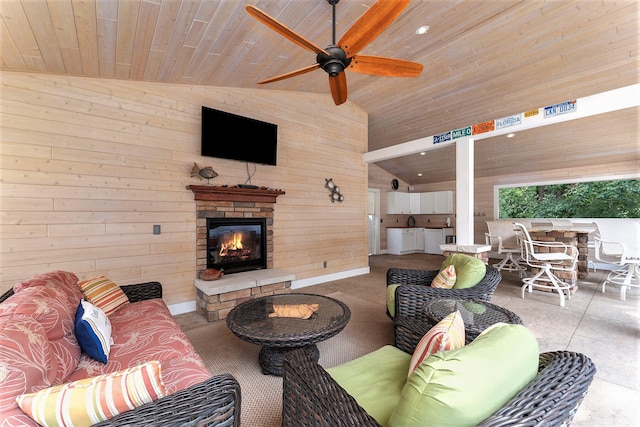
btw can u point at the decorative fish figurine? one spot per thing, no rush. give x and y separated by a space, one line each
206 172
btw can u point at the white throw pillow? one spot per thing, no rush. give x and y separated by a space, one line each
93 331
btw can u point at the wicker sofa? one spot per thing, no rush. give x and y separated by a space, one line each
311 396
143 330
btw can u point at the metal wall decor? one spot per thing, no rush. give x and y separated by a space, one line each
334 191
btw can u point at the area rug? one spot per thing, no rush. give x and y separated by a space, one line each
223 352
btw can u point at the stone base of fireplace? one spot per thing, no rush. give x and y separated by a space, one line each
214 299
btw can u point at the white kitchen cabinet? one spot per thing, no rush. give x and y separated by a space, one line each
433 202
419 244
402 241
444 202
433 238
398 203
428 202
414 203
403 203
436 202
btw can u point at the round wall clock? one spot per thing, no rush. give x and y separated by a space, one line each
395 184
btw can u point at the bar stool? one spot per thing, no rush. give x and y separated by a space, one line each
547 257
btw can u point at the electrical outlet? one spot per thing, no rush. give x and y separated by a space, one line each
156 229
324 264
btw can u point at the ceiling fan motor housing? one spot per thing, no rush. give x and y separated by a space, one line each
334 64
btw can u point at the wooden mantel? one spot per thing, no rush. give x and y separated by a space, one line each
234 194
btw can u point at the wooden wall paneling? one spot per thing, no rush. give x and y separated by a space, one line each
90 165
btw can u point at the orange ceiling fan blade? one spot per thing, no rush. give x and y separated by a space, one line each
283 30
373 22
338 86
299 72
381 66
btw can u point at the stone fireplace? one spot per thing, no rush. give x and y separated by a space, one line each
244 208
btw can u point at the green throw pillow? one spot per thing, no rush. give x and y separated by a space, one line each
469 270
465 386
391 299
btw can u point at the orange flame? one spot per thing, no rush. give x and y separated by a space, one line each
232 245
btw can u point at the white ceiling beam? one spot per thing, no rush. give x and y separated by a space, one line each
604 102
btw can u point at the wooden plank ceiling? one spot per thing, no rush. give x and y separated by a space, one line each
482 60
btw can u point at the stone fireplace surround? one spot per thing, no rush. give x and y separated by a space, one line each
214 299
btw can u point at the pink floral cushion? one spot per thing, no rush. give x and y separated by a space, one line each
28 365
39 348
50 299
142 331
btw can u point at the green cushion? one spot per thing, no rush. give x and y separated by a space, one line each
375 380
391 299
469 270
463 387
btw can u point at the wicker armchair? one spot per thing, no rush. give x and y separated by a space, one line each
312 398
416 289
214 402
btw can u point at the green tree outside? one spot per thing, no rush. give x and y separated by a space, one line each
600 199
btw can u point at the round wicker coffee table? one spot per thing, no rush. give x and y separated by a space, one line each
250 322
477 315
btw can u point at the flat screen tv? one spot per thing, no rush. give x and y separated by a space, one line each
230 136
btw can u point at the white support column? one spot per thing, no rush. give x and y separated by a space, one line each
464 191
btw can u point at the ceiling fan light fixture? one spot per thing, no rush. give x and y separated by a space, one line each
334 64
333 67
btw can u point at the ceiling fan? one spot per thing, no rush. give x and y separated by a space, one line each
335 58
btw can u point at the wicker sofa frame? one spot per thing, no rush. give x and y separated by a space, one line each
416 289
311 397
214 402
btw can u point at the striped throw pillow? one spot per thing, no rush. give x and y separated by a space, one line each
445 279
104 294
91 400
447 334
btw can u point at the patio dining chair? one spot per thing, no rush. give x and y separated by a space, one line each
504 243
618 244
546 258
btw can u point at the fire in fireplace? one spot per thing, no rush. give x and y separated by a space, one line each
236 244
